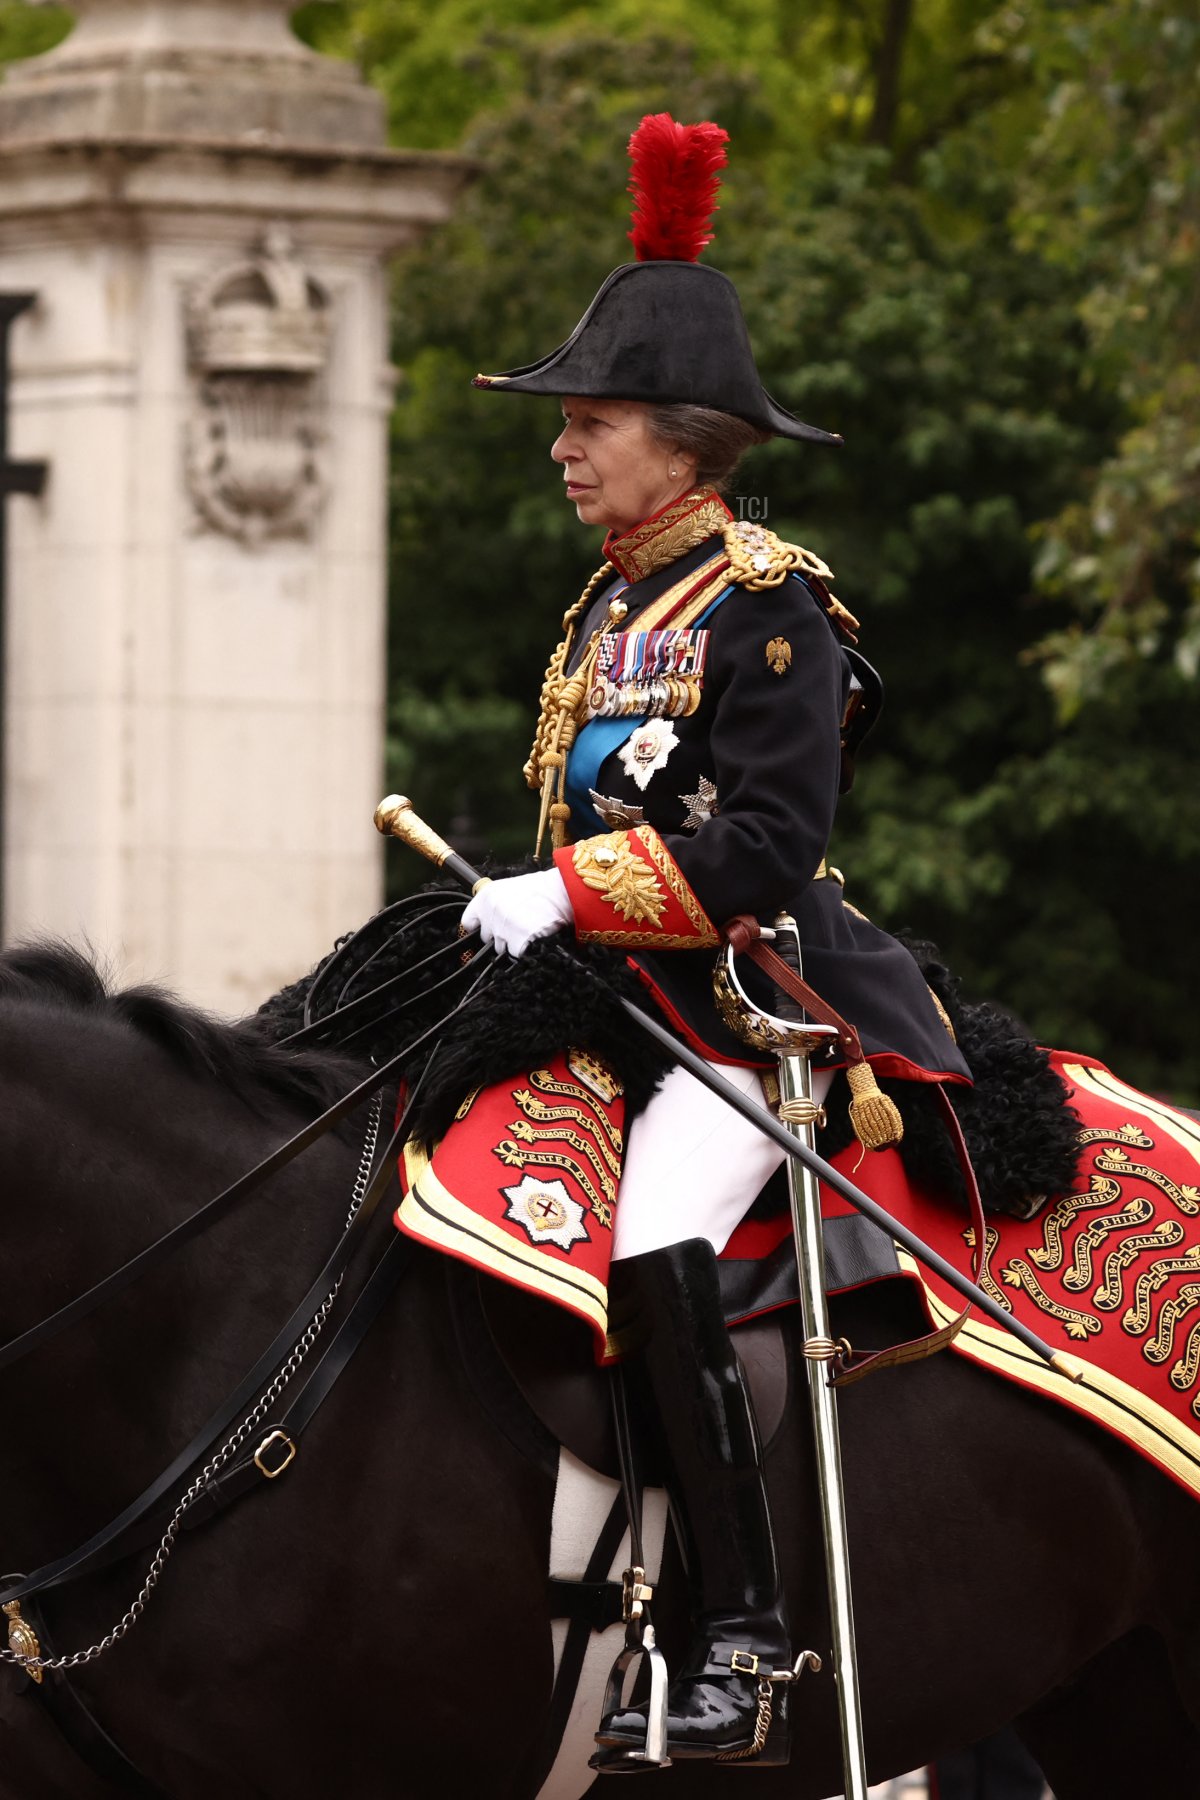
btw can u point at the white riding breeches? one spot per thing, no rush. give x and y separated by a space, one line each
692 1166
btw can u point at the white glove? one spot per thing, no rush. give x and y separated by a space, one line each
511 913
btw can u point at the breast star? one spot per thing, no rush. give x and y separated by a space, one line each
700 805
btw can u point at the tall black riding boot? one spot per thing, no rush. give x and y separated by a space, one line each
719 1702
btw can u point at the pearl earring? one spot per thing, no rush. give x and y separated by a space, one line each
674 471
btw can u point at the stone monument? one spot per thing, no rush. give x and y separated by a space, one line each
195 704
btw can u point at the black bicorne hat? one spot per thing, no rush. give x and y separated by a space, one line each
665 328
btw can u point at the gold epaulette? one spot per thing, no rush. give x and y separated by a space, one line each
759 560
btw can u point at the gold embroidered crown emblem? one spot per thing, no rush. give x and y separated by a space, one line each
593 1074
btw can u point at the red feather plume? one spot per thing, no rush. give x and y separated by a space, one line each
674 177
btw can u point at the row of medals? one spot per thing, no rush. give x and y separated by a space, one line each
666 697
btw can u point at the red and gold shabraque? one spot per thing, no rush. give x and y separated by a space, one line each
524 1183
1109 1273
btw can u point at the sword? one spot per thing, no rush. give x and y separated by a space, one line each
797 1039
394 817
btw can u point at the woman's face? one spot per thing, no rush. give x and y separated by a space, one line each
615 473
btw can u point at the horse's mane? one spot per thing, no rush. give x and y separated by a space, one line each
57 976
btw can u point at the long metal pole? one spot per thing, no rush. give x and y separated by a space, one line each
795 1085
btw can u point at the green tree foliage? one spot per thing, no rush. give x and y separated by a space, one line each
1111 193
888 72
26 32
964 236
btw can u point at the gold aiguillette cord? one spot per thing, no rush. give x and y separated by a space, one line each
556 812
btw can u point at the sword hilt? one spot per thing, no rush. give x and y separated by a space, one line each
789 1028
785 942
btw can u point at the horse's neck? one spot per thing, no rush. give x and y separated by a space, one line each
105 1143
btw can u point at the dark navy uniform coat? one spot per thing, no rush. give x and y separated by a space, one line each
744 800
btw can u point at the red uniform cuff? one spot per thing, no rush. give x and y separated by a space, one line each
626 888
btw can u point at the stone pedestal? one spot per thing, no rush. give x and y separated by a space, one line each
196 606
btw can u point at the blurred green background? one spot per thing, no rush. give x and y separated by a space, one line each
966 237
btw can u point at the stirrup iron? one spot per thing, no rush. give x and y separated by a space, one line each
639 1641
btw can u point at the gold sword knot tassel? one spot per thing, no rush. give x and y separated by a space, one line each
873 1114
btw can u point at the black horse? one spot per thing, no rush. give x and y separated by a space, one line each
374 1623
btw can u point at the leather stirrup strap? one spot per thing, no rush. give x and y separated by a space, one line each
851 1368
589 1605
631 1485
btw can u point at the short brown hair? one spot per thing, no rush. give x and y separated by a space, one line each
717 440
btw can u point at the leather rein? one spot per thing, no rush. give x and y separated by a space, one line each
216 1484
165 1246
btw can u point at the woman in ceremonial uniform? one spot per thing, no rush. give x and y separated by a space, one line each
698 721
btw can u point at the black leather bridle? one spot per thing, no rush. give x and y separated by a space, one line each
134 1524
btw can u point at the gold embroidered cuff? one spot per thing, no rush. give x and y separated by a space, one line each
626 888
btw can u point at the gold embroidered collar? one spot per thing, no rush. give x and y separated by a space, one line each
667 535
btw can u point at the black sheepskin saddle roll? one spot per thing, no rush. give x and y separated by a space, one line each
468 1020
1017 1119
407 981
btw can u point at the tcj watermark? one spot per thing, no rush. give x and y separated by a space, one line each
751 507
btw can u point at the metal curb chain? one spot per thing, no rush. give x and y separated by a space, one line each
255 1417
